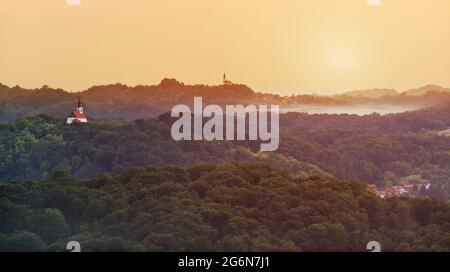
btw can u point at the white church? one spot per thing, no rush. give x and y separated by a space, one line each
77 116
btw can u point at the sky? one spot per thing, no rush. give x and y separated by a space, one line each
289 46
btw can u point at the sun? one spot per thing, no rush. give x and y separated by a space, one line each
73 2
374 2
342 60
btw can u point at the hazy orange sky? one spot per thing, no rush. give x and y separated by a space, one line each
282 46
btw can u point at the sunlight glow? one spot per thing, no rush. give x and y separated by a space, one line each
342 60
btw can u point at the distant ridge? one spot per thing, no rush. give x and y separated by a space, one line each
373 93
426 89
378 93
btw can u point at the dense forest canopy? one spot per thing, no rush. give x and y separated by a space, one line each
35 147
227 207
385 150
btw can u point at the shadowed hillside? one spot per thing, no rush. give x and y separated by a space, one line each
122 102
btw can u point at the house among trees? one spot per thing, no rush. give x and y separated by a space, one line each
408 189
78 115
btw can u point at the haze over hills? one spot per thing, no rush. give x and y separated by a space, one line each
372 93
377 93
119 101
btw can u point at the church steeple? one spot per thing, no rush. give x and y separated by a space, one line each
80 106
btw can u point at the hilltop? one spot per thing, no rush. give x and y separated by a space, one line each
427 89
116 101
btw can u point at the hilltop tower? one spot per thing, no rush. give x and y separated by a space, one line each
226 81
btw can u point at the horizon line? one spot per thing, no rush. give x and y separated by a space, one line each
285 93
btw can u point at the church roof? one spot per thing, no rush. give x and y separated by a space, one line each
76 114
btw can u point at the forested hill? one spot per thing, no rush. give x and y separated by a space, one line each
230 207
122 102
115 101
386 150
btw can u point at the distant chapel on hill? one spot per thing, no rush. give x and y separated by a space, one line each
78 115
